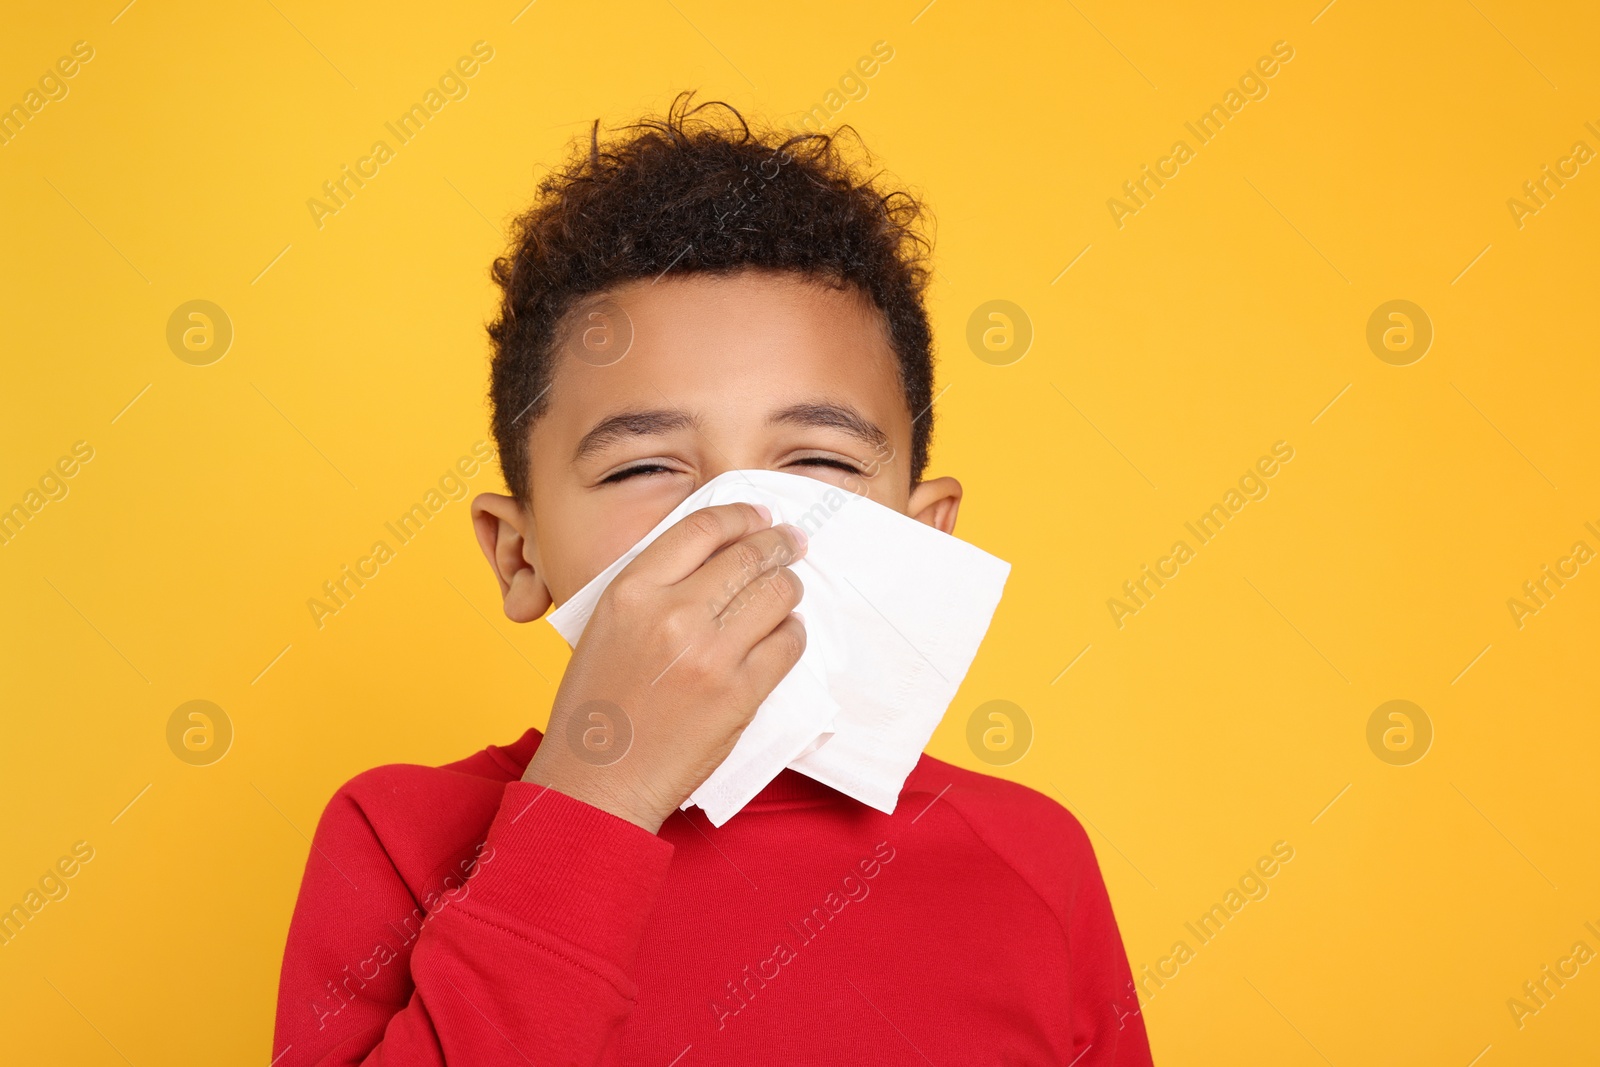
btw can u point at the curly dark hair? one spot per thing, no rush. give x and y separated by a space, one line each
690 193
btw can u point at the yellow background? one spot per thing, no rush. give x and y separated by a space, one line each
1223 317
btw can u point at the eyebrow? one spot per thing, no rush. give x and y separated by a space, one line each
833 416
630 424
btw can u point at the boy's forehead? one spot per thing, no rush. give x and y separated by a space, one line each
749 307
739 346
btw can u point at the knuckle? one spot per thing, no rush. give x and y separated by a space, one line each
786 552
703 661
676 629
792 642
626 591
794 588
690 667
748 556
703 525
782 585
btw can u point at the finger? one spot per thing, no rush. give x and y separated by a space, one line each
761 606
728 574
690 541
776 654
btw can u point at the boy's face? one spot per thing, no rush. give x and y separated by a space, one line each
757 369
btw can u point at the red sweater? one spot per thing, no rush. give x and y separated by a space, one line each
460 915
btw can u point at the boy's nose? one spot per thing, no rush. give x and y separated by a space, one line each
723 456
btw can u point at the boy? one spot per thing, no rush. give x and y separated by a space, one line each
693 299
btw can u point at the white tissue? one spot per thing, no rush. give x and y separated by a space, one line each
894 611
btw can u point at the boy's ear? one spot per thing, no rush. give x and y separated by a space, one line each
935 502
505 533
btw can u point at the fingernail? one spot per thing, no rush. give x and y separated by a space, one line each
799 535
799 616
766 515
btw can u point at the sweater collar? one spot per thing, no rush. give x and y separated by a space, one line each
788 787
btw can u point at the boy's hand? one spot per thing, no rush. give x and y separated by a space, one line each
684 645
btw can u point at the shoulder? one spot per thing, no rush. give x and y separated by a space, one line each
997 807
1029 831
422 817
414 786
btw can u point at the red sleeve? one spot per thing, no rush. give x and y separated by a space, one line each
1106 1021
523 957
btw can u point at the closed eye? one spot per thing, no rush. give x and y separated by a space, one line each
647 469
823 461
629 472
